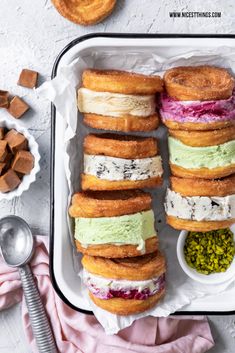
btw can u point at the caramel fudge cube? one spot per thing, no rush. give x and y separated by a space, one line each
9 181
2 132
2 167
6 163
16 141
20 175
4 93
8 160
3 150
17 107
23 162
4 99
28 78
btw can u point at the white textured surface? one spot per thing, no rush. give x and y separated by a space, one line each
31 35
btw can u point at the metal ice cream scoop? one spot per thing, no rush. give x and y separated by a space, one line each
17 248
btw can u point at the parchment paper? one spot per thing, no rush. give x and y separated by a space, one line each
180 289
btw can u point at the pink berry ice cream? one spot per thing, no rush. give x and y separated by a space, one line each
195 112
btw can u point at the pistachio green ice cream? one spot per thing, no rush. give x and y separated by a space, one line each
198 157
128 229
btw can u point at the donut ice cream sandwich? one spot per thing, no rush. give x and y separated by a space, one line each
200 204
204 154
115 162
125 286
114 224
198 98
119 100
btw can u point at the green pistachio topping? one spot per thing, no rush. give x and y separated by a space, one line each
210 252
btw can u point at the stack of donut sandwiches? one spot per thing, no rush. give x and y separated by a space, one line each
198 107
123 268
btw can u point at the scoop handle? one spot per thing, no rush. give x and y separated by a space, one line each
39 321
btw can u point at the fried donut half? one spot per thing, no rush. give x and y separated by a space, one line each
120 251
126 123
134 269
203 187
115 81
204 83
126 307
175 125
125 293
109 204
120 146
84 12
203 173
204 138
194 226
90 182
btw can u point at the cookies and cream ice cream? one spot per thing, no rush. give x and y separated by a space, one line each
201 157
128 229
106 288
197 111
112 168
200 208
115 104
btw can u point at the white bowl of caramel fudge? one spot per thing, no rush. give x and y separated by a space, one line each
19 159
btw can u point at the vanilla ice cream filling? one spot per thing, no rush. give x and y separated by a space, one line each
103 287
200 208
115 104
112 168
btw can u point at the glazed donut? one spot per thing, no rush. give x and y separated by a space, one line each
120 146
84 12
194 226
126 123
109 204
203 187
205 83
129 285
203 173
204 138
90 182
123 82
114 251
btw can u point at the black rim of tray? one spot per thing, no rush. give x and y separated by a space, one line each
52 156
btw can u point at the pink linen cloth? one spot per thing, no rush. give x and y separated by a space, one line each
75 332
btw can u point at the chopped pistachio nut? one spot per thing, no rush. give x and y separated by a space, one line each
209 252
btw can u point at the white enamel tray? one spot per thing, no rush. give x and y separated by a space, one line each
64 277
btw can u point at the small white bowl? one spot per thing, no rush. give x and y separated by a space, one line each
27 180
213 278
